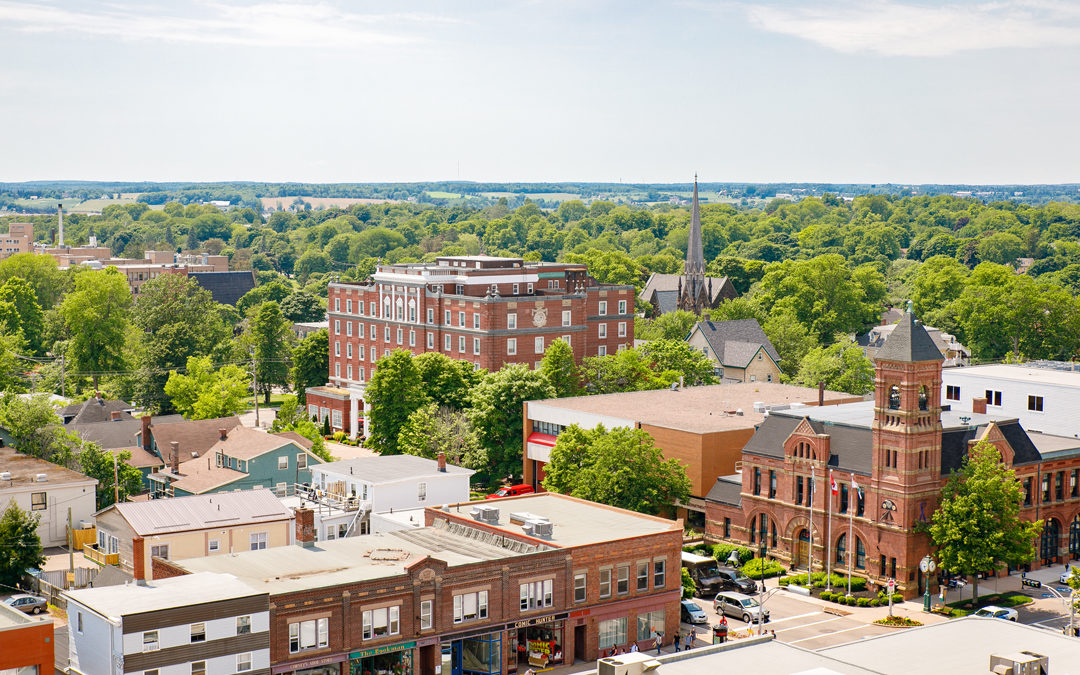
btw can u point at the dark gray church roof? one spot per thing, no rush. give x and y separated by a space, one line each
226 287
909 342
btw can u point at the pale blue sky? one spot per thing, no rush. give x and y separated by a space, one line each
974 91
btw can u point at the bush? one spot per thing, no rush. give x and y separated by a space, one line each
753 569
864 602
858 584
875 602
884 597
698 549
339 436
723 551
826 595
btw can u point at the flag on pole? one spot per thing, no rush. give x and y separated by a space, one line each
835 490
855 486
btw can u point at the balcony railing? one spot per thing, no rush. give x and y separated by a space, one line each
91 553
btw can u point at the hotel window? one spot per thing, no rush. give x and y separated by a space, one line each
258 541
348 328
566 317
622 329
993 397
772 484
1035 403
659 573
538 345
476 320
149 639
198 632
198 668
461 319
371 308
348 306
529 289
348 350
511 321
360 352
517 289
400 335
361 374
349 372
536 594
337 370
386 334
476 346
643 575
38 502
360 330
337 304
622 579
431 340
580 587
337 349
337 327
425 614
447 344
470 606
605 582
412 338
461 344
603 307
601 350
622 307
243 625
952 392
373 332
603 331
304 635
430 315
380 622
511 346
459 289
243 662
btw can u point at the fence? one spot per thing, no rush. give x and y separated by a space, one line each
52 583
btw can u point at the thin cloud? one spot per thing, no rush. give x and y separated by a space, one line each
905 29
264 24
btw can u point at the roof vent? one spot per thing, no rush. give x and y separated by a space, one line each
1019 663
41 477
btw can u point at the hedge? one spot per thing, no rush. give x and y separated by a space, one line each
858 584
753 568
723 551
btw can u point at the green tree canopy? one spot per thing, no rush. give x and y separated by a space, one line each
432 429
497 412
559 369
842 367
393 393
96 319
35 429
621 467
21 295
675 358
311 363
268 337
446 381
20 545
97 463
978 528
203 393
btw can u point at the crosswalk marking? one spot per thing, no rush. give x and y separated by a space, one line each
792 618
807 625
835 632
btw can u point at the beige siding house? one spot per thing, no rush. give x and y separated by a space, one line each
192 527
739 350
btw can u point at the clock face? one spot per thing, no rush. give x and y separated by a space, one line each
924 565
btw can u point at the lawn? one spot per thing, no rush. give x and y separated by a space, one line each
275 401
437 194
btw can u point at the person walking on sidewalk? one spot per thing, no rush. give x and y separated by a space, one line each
690 639
659 640
677 636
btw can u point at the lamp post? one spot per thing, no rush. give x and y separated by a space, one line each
761 565
927 566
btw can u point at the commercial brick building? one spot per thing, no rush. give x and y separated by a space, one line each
486 310
492 587
890 458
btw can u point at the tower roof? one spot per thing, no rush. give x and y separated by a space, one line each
695 257
909 342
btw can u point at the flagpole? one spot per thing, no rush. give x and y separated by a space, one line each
850 539
829 494
810 553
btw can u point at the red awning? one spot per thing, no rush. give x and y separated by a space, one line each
542 439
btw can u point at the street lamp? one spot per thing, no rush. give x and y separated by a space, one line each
927 566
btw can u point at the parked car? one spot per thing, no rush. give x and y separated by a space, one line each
732 579
1067 574
31 604
511 491
740 606
998 612
691 613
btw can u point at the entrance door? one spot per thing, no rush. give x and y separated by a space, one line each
1048 543
428 655
579 643
1074 538
455 658
801 554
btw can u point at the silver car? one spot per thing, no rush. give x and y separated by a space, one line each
31 604
739 606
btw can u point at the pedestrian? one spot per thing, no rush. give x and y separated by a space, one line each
693 635
633 648
689 640
677 637
659 640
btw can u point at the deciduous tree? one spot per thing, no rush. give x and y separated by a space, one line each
842 367
559 369
496 414
311 363
96 318
394 392
96 463
268 337
202 393
432 429
20 545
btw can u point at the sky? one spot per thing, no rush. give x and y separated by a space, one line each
866 91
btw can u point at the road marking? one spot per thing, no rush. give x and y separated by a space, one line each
835 632
807 625
792 618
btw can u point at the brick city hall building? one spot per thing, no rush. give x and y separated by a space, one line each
486 310
890 459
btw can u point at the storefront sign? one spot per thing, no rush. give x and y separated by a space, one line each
387 649
309 663
427 642
535 621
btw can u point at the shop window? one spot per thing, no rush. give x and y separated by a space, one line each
659 573
377 623
605 582
649 623
425 614
304 635
470 606
643 575
612 632
536 594
580 587
622 580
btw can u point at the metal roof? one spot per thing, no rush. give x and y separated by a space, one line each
198 512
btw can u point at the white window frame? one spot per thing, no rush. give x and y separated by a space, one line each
511 346
567 318
511 321
258 541
476 346
603 331
461 344
283 463
476 320
421 491
243 662
426 614
622 329
603 308
622 307
538 344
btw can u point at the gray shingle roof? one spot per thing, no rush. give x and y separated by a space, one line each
95 410
726 490
659 282
736 342
226 287
909 342
109 435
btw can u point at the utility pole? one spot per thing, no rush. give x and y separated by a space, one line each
71 550
115 480
255 387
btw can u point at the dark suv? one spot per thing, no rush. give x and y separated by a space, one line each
734 580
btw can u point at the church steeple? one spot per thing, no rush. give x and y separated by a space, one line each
694 270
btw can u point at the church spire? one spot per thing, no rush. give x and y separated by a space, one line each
694 271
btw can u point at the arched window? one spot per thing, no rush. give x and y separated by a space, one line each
841 549
1048 542
894 397
860 554
922 397
773 544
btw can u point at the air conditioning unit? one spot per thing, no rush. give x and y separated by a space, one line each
42 477
486 514
5 475
85 524
1020 663
542 529
634 663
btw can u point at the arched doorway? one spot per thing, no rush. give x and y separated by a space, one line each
1074 538
1048 542
800 556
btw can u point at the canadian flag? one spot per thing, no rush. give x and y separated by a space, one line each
832 482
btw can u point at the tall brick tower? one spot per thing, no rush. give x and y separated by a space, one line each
907 443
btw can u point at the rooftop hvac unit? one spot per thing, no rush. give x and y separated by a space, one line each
486 514
542 529
85 524
634 663
1020 663
5 475
41 477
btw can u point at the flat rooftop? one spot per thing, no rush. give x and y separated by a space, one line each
760 655
25 469
342 561
575 522
12 618
933 649
697 409
193 589
1019 372
861 414
390 468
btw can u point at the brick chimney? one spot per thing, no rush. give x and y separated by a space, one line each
442 461
223 433
147 443
114 416
305 527
978 405
138 561
175 456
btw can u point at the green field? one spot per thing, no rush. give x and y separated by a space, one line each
549 196
443 195
47 204
96 205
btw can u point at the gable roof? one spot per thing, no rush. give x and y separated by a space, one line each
244 443
909 342
736 342
94 410
192 435
226 287
670 282
108 435
303 442
197 512
200 474
140 459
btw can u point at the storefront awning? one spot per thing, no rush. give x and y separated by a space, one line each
539 447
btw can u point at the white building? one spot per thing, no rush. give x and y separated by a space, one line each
348 496
1043 395
198 624
44 489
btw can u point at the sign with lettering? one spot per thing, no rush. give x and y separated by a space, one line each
310 663
386 649
535 621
